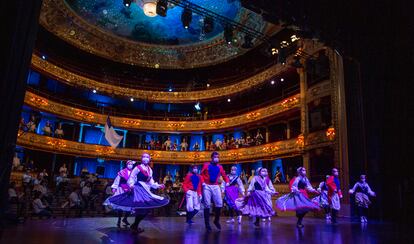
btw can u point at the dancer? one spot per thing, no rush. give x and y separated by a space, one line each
120 186
334 194
269 196
322 199
257 203
231 193
211 190
298 199
362 192
139 199
192 188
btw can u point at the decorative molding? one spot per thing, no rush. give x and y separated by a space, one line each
262 152
77 114
73 79
58 18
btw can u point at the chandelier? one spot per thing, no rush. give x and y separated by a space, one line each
149 7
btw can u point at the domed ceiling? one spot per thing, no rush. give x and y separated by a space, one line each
123 34
131 22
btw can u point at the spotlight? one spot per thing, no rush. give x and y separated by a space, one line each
208 85
228 34
208 25
170 89
294 38
272 82
197 106
281 79
162 7
274 51
43 57
127 3
131 99
247 42
94 91
186 17
228 100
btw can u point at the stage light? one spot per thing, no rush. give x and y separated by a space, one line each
94 91
294 38
162 7
43 57
247 42
228 34
281 79
208 85
208 25
170 89
274 51
186 17
197 106
127 3
272 82
228 100
132 99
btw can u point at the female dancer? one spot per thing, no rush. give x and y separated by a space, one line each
298 199
140 199
362 192
231 193
120 186
257 203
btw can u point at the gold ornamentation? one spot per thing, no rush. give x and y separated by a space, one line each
252 115
78 80
39 101
248 154
68 112
330 133
290 102
300 141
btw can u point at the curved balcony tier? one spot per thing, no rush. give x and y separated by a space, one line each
263 152
78 114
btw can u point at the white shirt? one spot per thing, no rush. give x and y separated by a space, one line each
74 199
12 193
37 205
27 178
59 131
86 191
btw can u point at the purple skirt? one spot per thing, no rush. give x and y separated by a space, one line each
257 204
138 198
231 194
295 202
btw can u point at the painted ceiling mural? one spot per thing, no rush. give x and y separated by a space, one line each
131 22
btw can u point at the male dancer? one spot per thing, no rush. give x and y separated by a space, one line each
334 194
211 190
192 188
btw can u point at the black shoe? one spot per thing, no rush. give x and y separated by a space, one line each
257 222
207 219
118 224
134 227
125 221
217 212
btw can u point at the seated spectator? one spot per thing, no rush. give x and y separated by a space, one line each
16 162
196 147
27 180
87 194
59 131
39 208
22 125
158 145
30 165
167 144
218 144
184 145
43 176
31 125
63 171
47 129
75 201
259 138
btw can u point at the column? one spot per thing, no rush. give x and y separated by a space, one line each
287 130
267 134
304 125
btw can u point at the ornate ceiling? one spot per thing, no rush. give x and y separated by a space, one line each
110 30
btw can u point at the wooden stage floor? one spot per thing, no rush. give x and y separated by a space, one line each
174 230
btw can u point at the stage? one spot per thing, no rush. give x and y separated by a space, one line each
173 230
